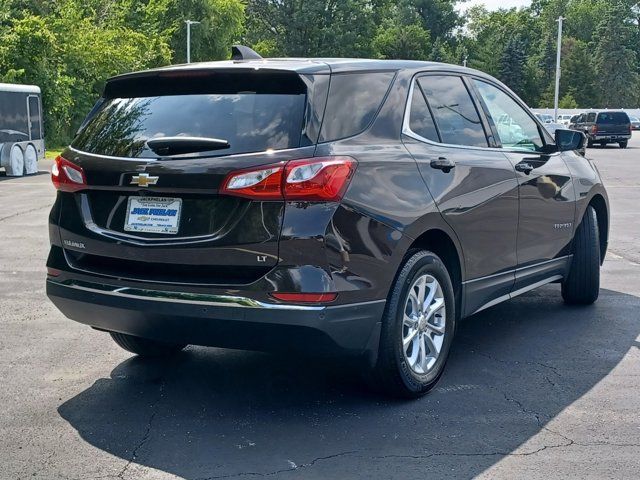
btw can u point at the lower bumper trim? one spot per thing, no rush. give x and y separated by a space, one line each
218 320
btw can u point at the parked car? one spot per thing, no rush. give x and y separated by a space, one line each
545 118
564 119
635 122
358 207
605 127
573 120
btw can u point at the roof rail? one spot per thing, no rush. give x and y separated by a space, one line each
240 52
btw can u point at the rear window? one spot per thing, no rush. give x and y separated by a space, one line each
354 100
252 115
610 118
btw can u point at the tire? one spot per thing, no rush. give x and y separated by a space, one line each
30 160
394 373
582 284
146 347
590 143
623 144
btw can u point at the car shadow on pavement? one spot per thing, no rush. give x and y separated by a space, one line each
212 413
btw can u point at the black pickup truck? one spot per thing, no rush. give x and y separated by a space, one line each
604 127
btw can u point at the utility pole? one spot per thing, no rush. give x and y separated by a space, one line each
189 23
558 55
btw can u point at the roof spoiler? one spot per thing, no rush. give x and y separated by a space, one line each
240 52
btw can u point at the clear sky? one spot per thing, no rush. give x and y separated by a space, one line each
495 4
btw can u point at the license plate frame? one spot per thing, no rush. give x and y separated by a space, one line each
153 215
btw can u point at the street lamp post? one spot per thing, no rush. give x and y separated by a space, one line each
189 23
558 55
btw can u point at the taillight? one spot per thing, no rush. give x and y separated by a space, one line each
594 129
264 183
67 176
319 179
305 297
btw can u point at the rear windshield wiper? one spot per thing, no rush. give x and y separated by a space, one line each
180 145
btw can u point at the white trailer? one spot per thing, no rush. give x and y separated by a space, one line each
21 129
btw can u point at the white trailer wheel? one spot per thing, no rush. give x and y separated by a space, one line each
30 160
16 162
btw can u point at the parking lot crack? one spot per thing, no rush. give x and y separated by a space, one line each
146 434
512 362
17 214
293 467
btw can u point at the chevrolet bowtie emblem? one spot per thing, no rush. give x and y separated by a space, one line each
144 180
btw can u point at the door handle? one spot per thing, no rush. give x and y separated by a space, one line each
524 167
442 163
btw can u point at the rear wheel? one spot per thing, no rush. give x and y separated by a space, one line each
417 328
624 144
582 285
590 143
146 347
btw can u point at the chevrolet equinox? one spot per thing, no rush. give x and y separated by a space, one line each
351 206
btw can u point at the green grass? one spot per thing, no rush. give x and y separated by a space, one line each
50 154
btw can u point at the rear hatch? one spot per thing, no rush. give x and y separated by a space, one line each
155 152
613 123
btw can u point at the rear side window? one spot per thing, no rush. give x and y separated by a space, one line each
354 99
454 111
251 116
420 118
613 118
591 117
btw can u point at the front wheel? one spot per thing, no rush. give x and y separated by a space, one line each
417 328
146 347
623 144
582 285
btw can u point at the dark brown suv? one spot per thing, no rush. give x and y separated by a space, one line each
353 206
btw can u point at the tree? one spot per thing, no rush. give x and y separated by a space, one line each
222 23
614 62
512 65
401 34
439 17
314 28
578 75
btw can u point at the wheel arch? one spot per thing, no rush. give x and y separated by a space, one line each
599 204
442 244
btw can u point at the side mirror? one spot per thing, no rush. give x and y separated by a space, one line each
568 140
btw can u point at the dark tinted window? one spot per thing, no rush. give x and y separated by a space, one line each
610 118
13 116
420 119
455 114
591 117
34 115
354 100
250 120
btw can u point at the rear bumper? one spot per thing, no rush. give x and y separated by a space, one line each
610 137
220 320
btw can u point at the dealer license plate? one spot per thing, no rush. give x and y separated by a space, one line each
153 215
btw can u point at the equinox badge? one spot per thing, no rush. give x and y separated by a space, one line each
144 180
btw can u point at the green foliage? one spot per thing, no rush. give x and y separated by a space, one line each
70 47
512 65
568 101
221 26
401 35
299 28
615 63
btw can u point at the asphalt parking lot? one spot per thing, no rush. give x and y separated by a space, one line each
534 389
